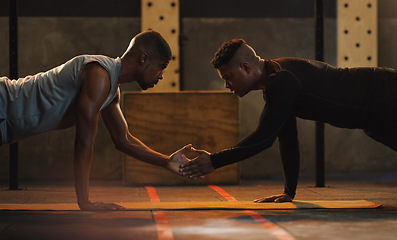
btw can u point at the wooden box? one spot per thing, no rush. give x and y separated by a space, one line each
167 121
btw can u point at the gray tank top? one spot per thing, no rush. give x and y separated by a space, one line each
46 101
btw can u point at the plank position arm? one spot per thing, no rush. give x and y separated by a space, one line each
276 121
94 90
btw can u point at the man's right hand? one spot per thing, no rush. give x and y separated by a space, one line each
276 198
100 206
178 158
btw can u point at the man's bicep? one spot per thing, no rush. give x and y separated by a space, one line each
270 123
94 89
114 121
280 99
288 135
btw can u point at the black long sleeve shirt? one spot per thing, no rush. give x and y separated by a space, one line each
364 98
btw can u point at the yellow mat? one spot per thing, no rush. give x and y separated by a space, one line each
219 205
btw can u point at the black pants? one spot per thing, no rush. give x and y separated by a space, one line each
1 139
389 139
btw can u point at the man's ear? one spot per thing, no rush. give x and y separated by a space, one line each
143 58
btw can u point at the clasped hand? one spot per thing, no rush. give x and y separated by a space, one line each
191 168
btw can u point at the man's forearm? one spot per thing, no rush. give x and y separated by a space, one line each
135 148
290 157
82 166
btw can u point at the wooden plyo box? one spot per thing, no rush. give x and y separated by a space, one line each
167 121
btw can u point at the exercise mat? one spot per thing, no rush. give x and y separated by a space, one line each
214 205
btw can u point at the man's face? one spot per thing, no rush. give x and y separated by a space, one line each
153 72
236 79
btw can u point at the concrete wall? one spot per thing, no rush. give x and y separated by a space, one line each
46 42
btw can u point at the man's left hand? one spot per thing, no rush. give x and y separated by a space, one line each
199 166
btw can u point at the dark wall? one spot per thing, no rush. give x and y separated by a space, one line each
189 8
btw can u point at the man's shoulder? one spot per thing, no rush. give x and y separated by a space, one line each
301 65
293 60
84 59
87 61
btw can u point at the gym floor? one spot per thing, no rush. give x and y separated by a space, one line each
379 223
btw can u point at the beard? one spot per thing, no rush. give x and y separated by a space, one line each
143 86
141 81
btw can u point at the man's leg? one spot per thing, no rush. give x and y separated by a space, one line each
387 139
1 138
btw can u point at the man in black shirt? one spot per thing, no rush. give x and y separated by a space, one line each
357 98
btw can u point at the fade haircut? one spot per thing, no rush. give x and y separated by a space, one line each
154 43
226 52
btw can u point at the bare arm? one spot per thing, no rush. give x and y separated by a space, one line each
124 141
94 90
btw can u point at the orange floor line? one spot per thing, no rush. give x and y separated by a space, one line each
275 230
163 228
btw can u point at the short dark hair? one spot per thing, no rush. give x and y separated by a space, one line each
226 52
154 42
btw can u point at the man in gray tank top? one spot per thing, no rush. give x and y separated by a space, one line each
75 93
